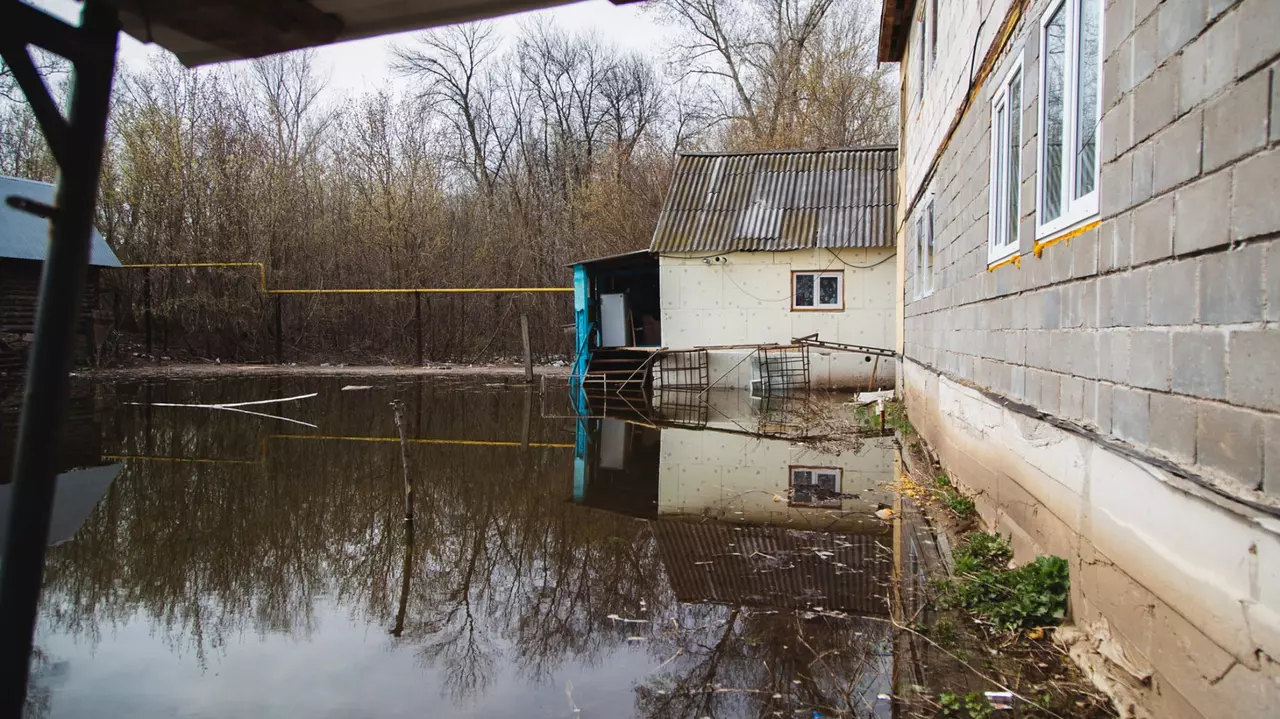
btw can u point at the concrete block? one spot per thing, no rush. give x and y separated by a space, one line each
1256 185
1271 455
1117 131
1229 441
1143 162
1200 364
1050 400
1050 308
1084 250
1275 104
1173 427
1236 123
1231 286
1149 364
1208 64
1155 101
1252 377
1176 153
1117 241
1117 186
1116 78
1203 211
1131 415
1273 282
1153 230
1101 419
1037 353
1258 36
1129 304
1118 21
1113 356
1083 346
1178 22
1071 404
1146 43
1018 383
1174 287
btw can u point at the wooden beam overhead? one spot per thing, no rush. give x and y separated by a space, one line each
244 28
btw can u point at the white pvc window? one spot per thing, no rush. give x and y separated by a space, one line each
1070 117
817 291
816 486
922 27
1006 167
924 251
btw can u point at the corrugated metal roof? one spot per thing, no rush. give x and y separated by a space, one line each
771 201
776 567
23 236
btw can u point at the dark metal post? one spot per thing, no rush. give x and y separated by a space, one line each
417 322
146 306
279 334
77 144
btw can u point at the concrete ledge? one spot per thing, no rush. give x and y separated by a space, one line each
1187 582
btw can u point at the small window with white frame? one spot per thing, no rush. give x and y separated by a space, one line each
924 251
1006 166
817 290
816 486
1070 117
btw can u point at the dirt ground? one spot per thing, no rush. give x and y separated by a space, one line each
176 370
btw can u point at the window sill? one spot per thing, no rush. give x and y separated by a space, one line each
995 263
1067 234
817 309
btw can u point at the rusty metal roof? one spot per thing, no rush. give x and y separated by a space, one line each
769 201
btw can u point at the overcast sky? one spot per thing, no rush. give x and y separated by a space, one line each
363 64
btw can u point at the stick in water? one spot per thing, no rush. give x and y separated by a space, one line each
397 406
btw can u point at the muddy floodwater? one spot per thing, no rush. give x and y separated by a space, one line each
213 563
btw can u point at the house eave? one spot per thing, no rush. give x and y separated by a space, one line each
895 25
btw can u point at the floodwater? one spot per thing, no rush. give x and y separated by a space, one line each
212 563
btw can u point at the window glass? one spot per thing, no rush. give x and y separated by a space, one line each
804 290
829 290
928 270
1087 98
1014 173
1001 183
1055 67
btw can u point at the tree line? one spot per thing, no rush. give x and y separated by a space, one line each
507 156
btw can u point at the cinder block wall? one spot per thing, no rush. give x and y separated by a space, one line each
1157 328
1154 333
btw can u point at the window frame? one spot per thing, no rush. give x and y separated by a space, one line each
834 503
817 275
1074 211
925 248
997 199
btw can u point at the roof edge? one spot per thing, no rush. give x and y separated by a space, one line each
743 153
895 24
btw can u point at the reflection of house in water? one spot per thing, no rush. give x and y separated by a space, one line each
768 496
730 472
83 477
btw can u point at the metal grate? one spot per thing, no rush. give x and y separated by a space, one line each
783 370
683 369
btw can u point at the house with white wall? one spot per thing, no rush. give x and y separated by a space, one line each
1089 278
752 249
761 248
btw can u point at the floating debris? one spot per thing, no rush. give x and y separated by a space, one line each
356 387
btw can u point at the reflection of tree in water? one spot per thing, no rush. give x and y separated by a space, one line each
740 662
504 570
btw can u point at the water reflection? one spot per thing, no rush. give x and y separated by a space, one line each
243 565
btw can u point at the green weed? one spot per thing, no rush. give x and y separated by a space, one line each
973 705
1032 595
